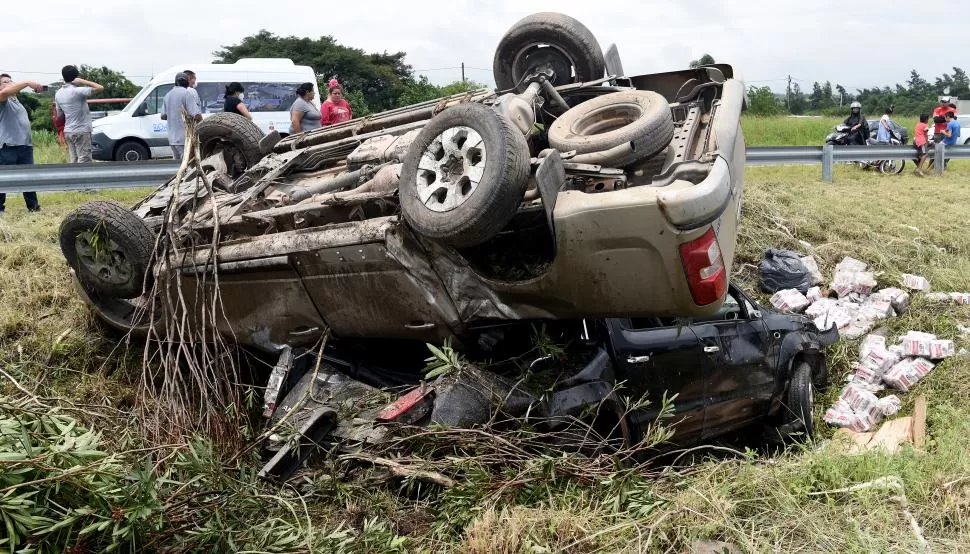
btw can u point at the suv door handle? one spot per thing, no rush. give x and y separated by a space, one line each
711 349
638 359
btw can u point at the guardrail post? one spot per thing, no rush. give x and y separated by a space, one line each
939 158
828 160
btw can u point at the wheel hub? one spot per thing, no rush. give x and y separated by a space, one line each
102 258
538 55
451 168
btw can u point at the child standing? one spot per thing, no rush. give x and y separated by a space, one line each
919 142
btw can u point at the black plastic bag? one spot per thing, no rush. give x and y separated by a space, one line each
783 269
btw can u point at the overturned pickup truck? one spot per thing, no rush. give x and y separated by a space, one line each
573 194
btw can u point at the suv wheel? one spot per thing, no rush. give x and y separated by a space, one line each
108 247
464 176
800 401
620 128
233 135
551 39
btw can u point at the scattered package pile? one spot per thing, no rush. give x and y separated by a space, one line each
900 366
855 310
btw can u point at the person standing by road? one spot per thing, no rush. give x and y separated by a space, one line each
951 134
234 100
177 100
884 133
939 118
16 146
304 116
72 107
192 80
919 142
335 109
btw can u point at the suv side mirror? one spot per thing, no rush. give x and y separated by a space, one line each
142 110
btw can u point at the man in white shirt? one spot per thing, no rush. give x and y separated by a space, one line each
71 105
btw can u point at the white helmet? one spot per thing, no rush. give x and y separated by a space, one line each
944 99
855 105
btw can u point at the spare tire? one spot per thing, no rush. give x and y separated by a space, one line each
464 175
615 129
547 38
108 247
233 135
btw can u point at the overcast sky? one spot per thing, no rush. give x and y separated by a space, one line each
858 44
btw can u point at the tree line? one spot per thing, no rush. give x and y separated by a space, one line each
917 95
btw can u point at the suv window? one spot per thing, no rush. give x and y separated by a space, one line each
730 310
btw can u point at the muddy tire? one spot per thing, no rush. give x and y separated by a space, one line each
800 401
233 135
117 318
108 247
464 175
622 127
547 38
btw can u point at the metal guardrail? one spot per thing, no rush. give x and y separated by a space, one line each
828 155
119 175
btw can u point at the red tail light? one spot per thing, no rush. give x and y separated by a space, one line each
704 266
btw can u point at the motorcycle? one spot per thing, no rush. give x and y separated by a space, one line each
841 136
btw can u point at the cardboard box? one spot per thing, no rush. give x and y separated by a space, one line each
915 282
814 294
789 300
812 266
870 342
851 265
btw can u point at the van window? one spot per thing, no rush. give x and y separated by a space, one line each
153 102
260 96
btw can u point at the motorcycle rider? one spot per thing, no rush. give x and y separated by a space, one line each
857 124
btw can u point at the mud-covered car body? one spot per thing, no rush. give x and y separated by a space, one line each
594 241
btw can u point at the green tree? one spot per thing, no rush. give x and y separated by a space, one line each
827 100
762 101
961 84
816 100
379 78
706 59
797 103
115 84
918 86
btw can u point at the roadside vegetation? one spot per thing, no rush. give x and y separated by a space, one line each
78 474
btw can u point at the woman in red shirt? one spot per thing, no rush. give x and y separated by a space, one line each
335 109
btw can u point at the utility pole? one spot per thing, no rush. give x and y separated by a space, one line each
789 93
462 72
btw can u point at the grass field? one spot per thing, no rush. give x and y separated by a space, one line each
199 501
799 131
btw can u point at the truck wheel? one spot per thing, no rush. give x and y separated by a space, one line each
619 128
547 38
132 151
800 400
464 176
233 135
108 247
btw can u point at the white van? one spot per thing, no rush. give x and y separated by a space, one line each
138 132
